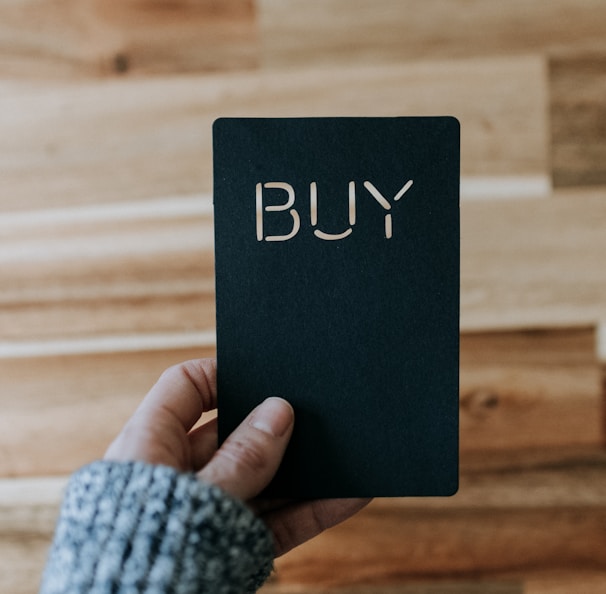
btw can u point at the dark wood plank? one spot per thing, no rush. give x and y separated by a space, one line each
577 87
529 389
538 527
414 586
565 582
380 545
42 38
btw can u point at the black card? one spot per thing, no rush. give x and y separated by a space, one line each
337 283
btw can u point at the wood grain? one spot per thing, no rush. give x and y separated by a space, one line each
473 542
106 258
21 563
47 38
524 264
524 390
562 582
557 582
534 263
59 413
529 263
110 276
521 394
321 32
391 541
413 586
538 523
577 86
141 138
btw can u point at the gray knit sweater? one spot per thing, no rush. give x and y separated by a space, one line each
131 527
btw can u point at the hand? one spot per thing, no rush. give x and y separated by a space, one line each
160 432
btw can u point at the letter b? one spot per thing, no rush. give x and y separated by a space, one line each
260 209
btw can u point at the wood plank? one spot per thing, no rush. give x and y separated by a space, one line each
108 276
142 138
534 263
502 528
524 264
387 544
511 399
532 389
21 563
61 412
521 394
577 86
555 582
479 586
29 507
563 582
42 38
321 32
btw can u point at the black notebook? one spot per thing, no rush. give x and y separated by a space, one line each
337 287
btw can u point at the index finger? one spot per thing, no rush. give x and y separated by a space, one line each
184 391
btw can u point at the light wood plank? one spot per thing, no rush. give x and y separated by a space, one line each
29 507
21 563
59 413
107 277
42 38
524 264
320 32
119 140
537 263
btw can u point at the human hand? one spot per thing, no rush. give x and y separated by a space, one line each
161 432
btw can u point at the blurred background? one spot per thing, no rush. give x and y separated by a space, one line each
106 273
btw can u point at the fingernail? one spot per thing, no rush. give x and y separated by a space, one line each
273 416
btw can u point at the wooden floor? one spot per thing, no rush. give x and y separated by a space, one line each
106 257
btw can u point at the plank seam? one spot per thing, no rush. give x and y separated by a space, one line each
107 344
196 205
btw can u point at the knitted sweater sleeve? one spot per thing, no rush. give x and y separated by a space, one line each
136 528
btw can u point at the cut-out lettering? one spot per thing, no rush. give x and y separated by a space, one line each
313 209
313 212
385 203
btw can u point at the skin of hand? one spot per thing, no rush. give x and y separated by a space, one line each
161 431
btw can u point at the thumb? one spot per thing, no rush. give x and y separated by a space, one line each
249 458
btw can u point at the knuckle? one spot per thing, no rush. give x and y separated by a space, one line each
172 372
285 537
199 373
317 517
244 455
180 372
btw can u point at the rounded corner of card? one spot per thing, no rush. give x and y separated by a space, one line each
454 123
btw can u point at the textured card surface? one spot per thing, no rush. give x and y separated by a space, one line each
337 287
